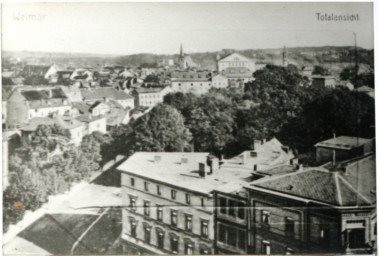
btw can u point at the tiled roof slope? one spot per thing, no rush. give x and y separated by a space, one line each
319 185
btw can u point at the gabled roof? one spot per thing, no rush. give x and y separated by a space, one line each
235 57
315 184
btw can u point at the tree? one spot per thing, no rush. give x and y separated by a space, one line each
339 111
349 73
49 165
162 129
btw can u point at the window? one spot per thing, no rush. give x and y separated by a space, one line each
289 251
223 205
188 223
174 218
133 228
160 238
132 182
222 233
204 228
174 245
266 248
232 236
241 210
146 208
147 234
158 190
202 202
241 239
188 198
189 249
324 235
290 227
132 204
231 207
159 212
265 218
173 194
146 185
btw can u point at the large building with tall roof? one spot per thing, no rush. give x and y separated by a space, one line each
315 210
169 197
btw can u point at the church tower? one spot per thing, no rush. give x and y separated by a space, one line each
181 57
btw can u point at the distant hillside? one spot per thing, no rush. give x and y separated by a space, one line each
328 56
301 56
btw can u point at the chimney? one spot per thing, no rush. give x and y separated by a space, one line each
202 170
294 161
184 160
212 162
299 167
263 141
243 158
157 158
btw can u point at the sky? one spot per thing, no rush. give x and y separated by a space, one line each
160 28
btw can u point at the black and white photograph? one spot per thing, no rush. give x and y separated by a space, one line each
220 128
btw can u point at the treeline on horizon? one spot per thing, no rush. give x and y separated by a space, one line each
300 55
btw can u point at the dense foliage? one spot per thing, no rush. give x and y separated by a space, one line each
47 166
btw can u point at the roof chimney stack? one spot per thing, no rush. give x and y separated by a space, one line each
202 170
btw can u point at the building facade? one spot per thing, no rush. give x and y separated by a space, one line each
161 216
236 60
191 82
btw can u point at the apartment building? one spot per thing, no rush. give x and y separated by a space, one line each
168 205
315 210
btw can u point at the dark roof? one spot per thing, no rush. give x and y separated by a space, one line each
190 76
316 184
32 95
35 70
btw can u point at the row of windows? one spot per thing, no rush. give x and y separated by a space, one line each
266 249
192 84
232 236
148 187
289 223
232 208
173 217
150 96
174 240
236 64
192 76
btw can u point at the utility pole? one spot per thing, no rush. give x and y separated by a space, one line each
356 68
